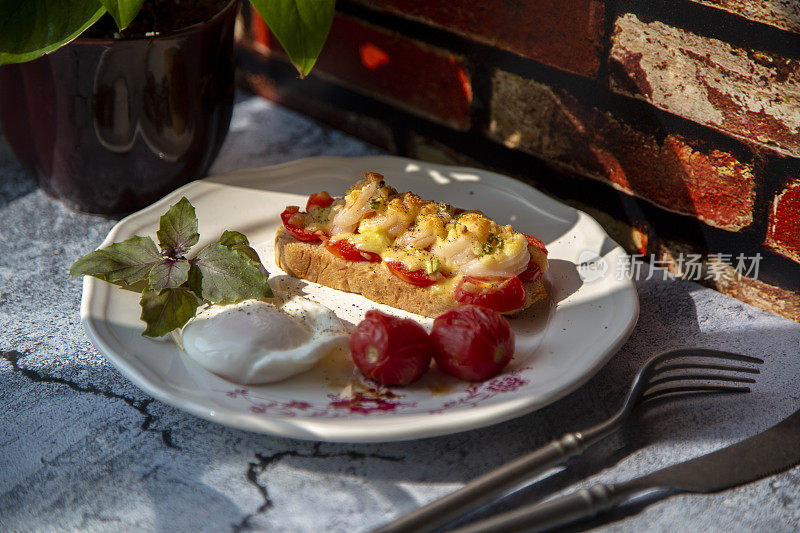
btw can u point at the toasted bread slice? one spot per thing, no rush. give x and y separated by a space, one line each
312 262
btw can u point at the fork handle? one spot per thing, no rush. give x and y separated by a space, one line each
584 503
487 487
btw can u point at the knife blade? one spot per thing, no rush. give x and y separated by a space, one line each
767 453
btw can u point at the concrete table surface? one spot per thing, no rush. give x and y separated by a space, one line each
81 448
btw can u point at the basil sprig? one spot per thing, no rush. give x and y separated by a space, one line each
172 285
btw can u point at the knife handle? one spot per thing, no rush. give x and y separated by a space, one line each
488 487
560 511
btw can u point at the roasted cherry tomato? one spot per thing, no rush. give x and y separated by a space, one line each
294 221
345 249
532 273
391 350
500 294
320 199
472 343
420 278
536 243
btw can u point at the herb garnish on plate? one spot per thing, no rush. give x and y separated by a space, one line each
172 285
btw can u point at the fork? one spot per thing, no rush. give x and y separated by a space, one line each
671 374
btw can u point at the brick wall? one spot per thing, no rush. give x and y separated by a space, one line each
676 123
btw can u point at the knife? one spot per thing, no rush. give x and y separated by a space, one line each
770 452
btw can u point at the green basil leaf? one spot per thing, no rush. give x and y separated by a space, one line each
32 28
129 261
230 238
177 229
166 310
195 282
123 11
228 276
169 273
233 240
301 26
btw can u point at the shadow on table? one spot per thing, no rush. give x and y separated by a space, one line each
15 182
668 319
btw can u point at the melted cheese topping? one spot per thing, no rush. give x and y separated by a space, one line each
424 235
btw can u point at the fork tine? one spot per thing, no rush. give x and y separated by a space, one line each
699 377
694 389
714 354
709 366
686 356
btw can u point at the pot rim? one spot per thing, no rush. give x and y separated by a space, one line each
188 29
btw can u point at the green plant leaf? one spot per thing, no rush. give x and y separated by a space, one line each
301 26
32 28
228 276
129 261
166 310
123 11
233 240
195 282
169 273
177 229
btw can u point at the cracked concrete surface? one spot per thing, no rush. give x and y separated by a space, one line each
263 462
83 449
141 406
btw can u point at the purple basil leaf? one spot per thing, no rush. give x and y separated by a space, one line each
129 261
195 281
177 229
166 310
169 273
229 276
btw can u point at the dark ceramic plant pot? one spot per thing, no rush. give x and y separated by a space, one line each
111 126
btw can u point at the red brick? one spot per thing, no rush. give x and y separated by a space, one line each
725 279
750 94
566 34
761 294
420 78
687 176
783 233
258 29
782 14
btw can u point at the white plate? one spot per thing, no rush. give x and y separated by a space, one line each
561 342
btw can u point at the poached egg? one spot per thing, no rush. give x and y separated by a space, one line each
255 341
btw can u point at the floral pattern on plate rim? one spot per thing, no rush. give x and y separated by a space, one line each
375 400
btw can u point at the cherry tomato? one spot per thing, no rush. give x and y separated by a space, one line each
320 199
536 243
391 350
472 343
294 221
499 294
420 278
345 249
533 271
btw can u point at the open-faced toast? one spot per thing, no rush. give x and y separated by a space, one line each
396 249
